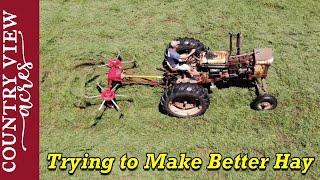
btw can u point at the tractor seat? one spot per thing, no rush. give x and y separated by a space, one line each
167 65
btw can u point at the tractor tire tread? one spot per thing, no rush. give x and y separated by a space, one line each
185 89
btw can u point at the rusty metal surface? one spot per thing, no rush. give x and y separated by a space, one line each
242 59
261 71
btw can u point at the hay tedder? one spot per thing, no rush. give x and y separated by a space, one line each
184 96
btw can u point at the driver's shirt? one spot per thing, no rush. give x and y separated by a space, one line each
173 57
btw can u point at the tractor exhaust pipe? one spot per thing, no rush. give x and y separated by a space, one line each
238 43
230 34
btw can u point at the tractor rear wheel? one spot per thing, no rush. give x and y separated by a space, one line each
185 100
187 44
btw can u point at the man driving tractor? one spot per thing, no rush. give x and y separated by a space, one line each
177 61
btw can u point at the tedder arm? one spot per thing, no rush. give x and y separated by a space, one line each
116 77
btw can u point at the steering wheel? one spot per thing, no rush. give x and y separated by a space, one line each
191 59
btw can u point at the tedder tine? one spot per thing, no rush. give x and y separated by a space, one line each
115 87
128 62
116 105
101 106
120 95
91 97
118 54
102 89
117 108
103 65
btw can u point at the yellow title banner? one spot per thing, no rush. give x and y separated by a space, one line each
161 161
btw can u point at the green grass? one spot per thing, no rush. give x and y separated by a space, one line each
75 31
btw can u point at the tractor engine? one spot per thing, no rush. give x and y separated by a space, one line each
221 66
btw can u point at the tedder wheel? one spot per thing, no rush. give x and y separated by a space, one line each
185 100
264 102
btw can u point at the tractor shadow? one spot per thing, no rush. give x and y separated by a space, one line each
240 83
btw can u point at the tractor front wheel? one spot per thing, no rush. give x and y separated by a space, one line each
185 100
264 102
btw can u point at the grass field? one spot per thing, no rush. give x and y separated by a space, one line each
76 31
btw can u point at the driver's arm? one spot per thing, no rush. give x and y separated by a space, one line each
185 56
